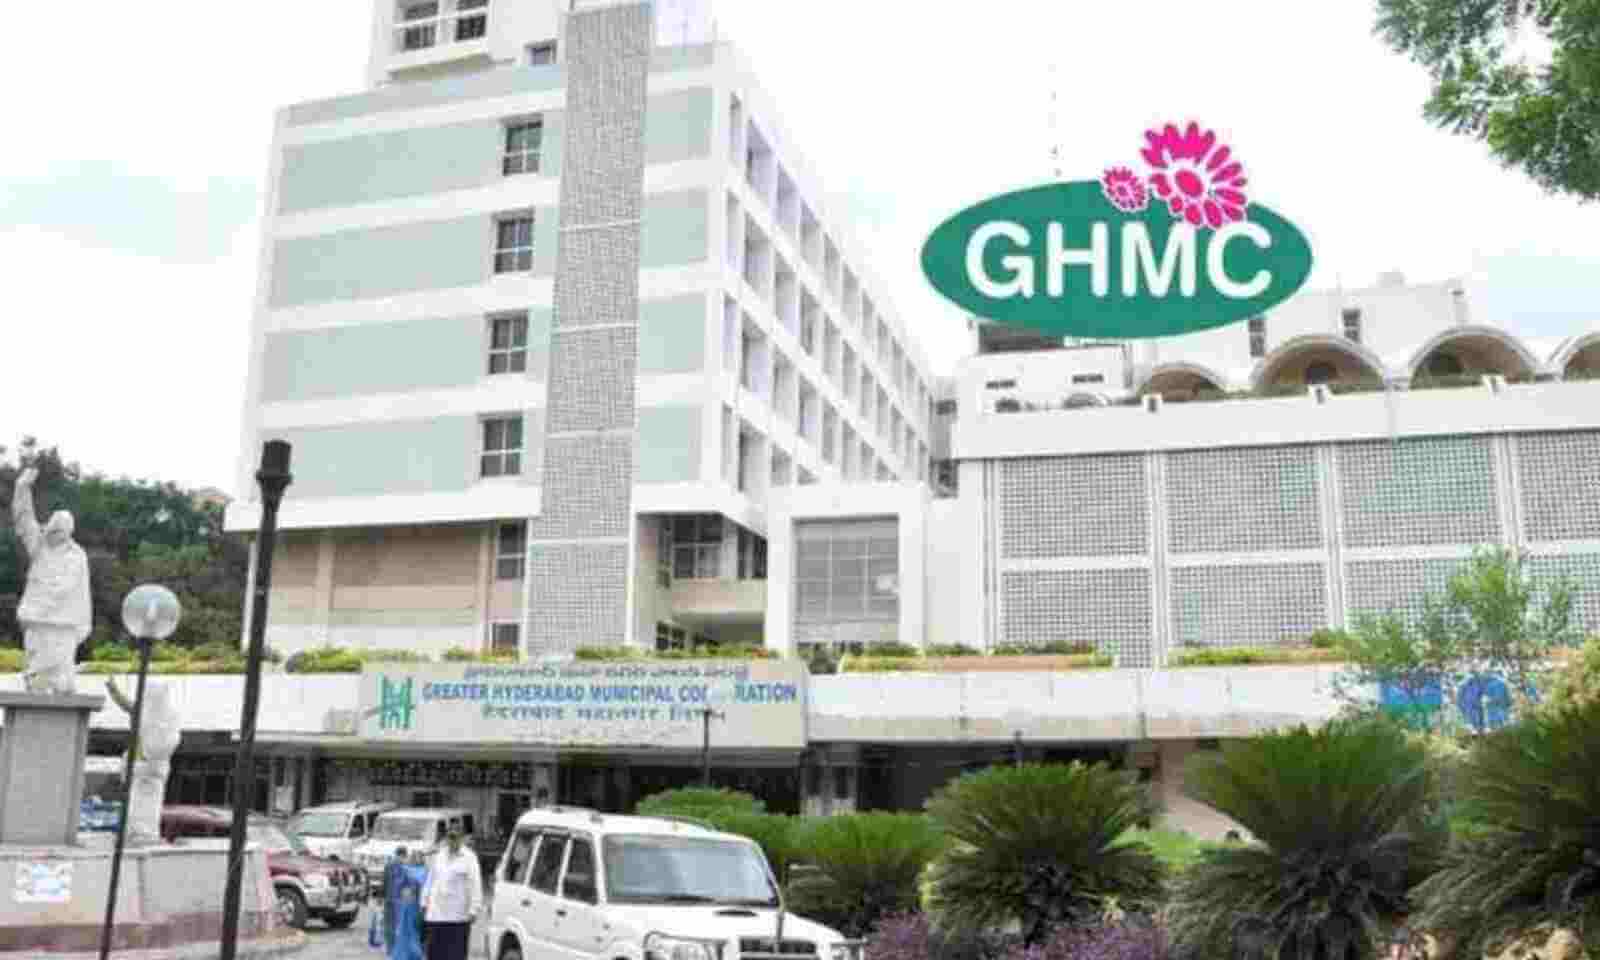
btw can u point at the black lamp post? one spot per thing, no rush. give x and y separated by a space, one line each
273 477
707 715
149 613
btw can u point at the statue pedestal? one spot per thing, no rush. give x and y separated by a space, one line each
41 766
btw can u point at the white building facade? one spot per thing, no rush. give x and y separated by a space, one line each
547 314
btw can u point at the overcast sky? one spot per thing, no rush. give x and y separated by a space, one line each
131 181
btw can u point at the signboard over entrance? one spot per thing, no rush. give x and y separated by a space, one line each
762 703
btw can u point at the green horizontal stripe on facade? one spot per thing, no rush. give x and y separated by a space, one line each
501 81
441 254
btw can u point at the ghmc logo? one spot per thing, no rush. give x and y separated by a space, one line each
396 704
1178 247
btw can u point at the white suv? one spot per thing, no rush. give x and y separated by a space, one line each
587 886
419 830
335 830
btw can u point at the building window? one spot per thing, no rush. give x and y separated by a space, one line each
848 570
945 408
508 344
505 638
541 54
664 554
511 551
1258 336
472 27
1088 378
502 447
523 141
843 783
1352 325
422 36
513 246
752 555
697 547
669 637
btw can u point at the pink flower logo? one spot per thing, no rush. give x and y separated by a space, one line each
1199 180
1125 190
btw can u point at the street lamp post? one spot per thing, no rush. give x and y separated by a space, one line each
707 715
149 613
273 477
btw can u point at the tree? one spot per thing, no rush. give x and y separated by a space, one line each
133 532
1528 848
1494 617
1538 118
1042 845
1339 817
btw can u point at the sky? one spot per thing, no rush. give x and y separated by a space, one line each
131 182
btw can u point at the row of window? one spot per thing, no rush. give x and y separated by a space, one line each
1350 326
423 25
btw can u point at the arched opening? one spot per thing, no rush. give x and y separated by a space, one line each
1180 382
1582 362
1464 355
1317 359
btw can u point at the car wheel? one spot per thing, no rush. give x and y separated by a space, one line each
291 908
338 921
511 951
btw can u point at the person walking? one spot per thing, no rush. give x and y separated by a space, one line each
451 899
405 941
391 888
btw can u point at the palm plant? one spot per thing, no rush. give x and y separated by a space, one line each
1340 820
1042 845
865 866
1527 849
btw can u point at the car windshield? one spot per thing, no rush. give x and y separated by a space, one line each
658 869
320 824
403 828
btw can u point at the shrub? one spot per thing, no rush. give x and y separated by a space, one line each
867 865
12 661
719 653
1040 844
1245 656
1118 940
344 660
910 936
1053 648
953 650
701 802
1327 638
1529 848
1338 815
599 654
902 650
1577 682
881 664
774 833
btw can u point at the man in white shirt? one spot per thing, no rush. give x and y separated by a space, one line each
451 898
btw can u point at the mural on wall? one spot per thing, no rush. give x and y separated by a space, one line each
1483 701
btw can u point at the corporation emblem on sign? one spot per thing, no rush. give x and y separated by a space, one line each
1174 247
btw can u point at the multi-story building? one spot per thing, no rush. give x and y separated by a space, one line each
547 313
571 352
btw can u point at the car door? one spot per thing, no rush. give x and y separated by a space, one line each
544 882
356 835
512 901
581 930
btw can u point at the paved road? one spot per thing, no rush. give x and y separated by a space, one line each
351 943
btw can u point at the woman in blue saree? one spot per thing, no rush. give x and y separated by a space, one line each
405 927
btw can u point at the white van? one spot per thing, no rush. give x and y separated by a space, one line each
587 886
415 828
335 830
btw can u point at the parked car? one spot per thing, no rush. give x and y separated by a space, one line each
335 830
306 886
579 883
96 815
416 829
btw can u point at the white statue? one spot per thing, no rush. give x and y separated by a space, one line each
152 746
54 612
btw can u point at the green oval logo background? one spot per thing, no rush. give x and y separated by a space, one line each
1078 312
